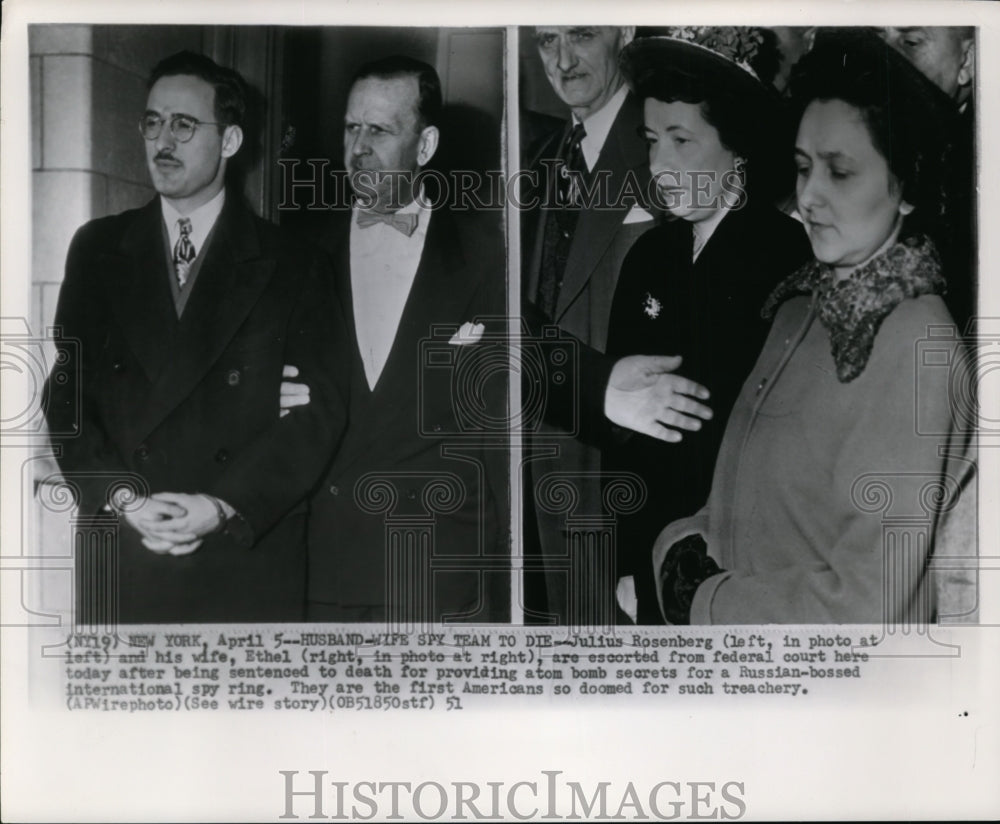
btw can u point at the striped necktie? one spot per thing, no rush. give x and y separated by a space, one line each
184 252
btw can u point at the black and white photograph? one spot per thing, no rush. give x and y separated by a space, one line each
760 202
311 462
497 412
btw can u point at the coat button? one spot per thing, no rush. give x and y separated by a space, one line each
142 452
761 385
118 366
334 490
233 377
222 456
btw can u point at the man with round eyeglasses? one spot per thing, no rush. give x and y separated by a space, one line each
185 311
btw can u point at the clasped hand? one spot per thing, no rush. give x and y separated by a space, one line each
174 523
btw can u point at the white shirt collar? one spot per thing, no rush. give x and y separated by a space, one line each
202 219
704 229
598 126
418 205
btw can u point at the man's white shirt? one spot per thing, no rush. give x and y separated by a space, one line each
384 263
598 127
202 220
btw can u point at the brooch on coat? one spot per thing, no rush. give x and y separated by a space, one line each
652 307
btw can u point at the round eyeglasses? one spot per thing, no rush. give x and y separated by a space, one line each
182 127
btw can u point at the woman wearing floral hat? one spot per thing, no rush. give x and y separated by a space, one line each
694 286
843 453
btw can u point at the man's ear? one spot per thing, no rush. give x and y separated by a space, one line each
967 72
627 34
429 137
232 139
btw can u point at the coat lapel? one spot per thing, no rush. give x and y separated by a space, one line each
231 280
337 243
549 149
442 291
721 253
135 276
622 151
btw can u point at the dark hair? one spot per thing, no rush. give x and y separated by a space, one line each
724 111
750 125
388 68
230 88
910 121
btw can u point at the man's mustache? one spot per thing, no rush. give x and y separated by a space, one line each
165 156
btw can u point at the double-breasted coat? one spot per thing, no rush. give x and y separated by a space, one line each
190 404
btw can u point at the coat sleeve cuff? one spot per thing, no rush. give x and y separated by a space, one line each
239 530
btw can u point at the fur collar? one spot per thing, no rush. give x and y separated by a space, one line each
852 310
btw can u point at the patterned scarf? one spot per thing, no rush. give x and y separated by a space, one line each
852 310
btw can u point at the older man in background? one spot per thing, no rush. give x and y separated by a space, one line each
573 252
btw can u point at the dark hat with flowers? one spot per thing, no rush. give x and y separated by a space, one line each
715 66
706 58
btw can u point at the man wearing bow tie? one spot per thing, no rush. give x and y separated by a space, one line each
410 524
185 311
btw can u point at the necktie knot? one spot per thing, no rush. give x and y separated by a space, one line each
405 223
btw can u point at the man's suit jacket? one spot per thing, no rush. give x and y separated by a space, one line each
191 404
405 468
599 245
602 238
